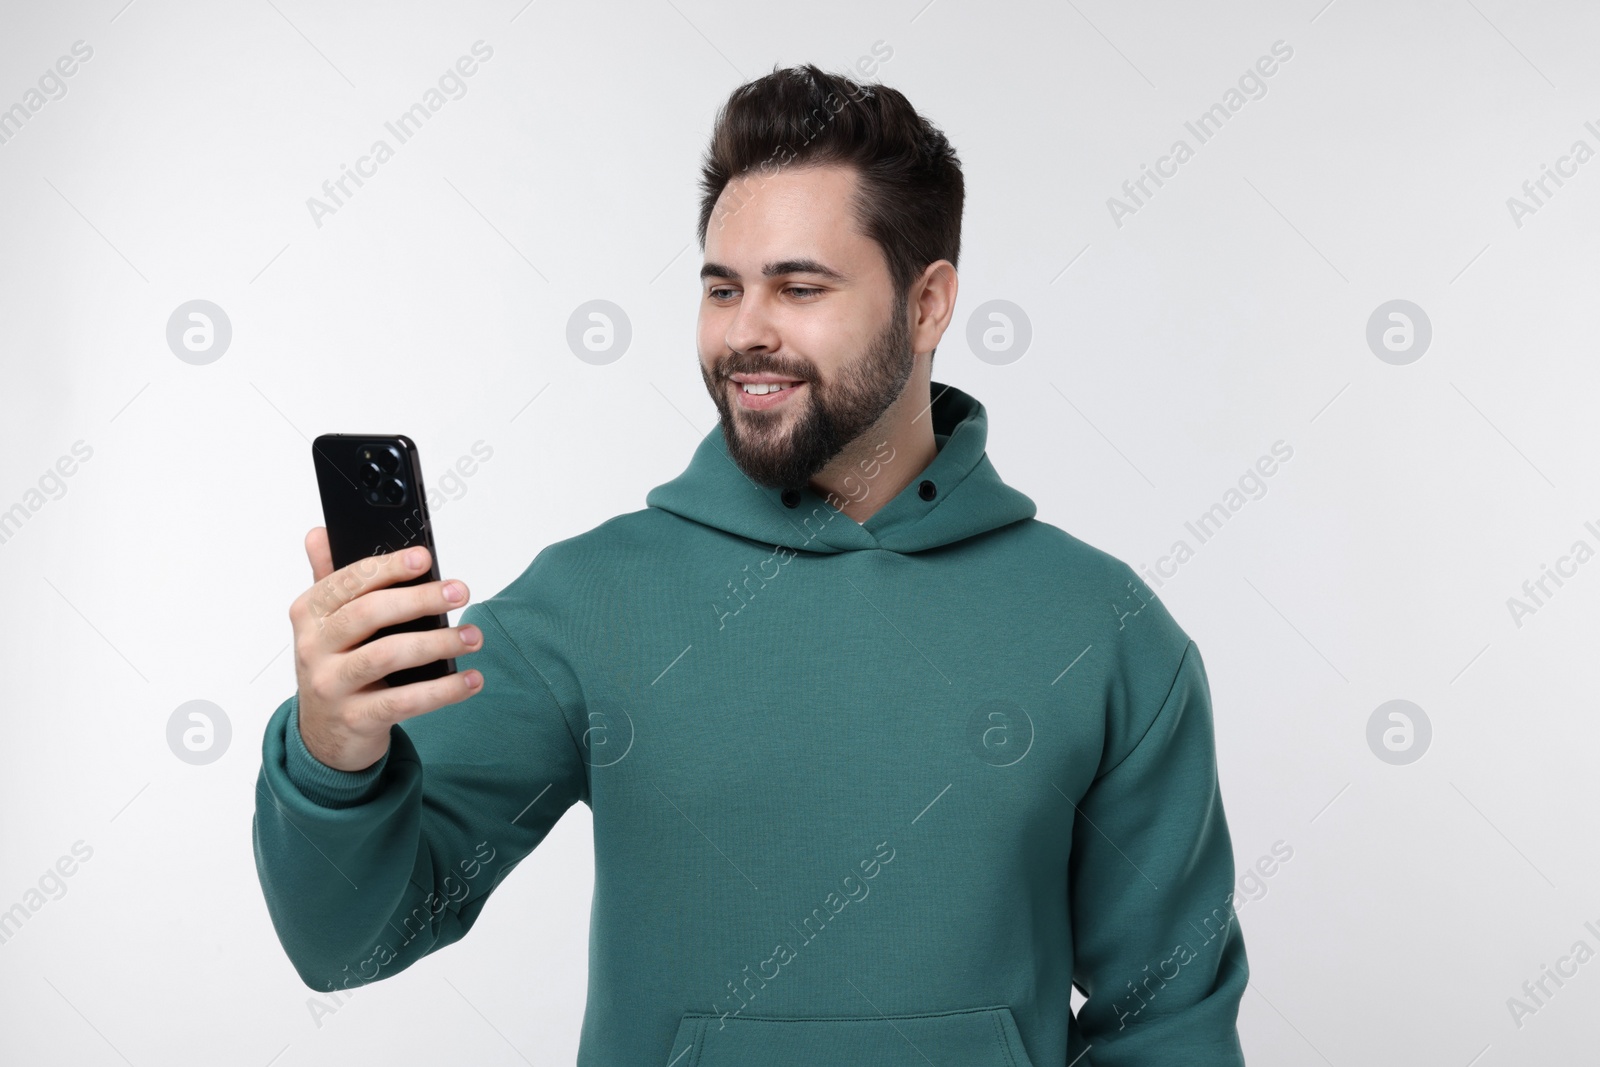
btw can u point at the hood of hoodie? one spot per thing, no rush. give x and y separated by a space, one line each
957 496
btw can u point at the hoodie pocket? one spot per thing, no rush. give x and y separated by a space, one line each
968 1037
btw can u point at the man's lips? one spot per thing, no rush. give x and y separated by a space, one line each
760 402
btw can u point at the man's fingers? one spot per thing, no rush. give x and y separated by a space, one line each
364 665
393 704
333 592
318 552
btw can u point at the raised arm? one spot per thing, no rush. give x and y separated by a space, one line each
366 871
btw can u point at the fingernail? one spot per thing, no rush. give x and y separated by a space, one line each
452 591
415 558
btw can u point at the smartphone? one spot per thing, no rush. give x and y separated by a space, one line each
374 502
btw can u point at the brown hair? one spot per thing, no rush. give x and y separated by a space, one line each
910 190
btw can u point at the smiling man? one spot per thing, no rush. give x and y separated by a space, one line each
792 287
880 766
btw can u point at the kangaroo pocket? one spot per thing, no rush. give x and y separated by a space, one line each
969 1037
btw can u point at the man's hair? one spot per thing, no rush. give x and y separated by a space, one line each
909 193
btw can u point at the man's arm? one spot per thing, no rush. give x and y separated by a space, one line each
366 872
1158 950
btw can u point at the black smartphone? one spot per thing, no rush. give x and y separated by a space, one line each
373 502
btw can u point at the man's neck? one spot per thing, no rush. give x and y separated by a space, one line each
875 467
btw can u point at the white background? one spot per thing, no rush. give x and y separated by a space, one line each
1168 354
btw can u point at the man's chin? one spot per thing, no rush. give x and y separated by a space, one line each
763 443
768 463
761 464
759 476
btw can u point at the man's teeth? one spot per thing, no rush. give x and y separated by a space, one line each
762 388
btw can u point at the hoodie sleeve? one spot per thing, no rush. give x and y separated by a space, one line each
1158 950
366 872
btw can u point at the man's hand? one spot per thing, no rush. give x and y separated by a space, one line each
346 708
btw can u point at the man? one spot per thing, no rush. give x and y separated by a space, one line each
880 765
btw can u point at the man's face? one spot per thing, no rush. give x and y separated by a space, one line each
792 292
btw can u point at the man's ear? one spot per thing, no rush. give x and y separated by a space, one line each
931 303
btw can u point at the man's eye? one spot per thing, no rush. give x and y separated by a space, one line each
803 292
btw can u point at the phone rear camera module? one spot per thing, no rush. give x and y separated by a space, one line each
385 457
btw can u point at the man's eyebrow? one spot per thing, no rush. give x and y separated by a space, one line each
773 270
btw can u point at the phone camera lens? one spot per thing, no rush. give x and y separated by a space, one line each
394 491
370 474
387 458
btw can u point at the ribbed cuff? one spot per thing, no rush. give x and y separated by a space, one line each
325 785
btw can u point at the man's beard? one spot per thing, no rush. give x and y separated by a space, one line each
835 412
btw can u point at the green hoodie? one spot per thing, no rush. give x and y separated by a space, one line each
868 793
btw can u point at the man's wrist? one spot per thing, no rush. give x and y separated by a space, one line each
328 786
